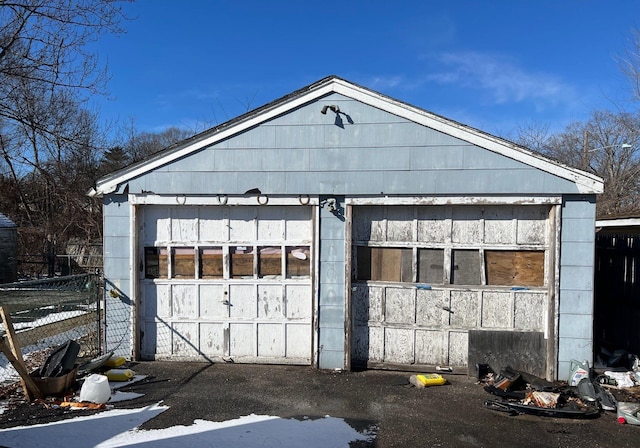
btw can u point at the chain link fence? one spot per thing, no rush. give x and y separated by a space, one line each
48 313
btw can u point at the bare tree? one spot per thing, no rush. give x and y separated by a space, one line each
629 63
608 145
137 145
49 142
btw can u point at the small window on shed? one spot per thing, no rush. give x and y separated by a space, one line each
431 266
298 262
465 267
241 261
270 261
384 264
515 267
184 262
155 262
211 262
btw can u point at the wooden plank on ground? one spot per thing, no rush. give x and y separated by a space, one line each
22 371
14 345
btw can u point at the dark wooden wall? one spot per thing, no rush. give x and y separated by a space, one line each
617 292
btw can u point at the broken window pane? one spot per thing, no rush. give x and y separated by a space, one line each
465 267
184 262
270 261
155 262
388 264
211 263
515 267
241 261
298 262
431 266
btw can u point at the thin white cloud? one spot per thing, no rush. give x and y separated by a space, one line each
385 82
504 81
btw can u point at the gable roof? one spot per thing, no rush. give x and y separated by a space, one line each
6 222
585 182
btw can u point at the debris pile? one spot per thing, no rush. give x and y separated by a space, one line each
523 393
587 393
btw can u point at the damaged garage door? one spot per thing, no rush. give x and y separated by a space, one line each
230 283
424 276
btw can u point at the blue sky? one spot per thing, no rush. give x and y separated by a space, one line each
494 65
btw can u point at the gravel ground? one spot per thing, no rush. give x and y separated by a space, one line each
381 402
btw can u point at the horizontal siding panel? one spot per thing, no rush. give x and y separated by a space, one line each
114 206
577 254
360 159
578 230
373 182
576 278
579 207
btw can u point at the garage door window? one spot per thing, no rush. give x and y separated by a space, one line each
384 264
241 261
156 262
270 262
183 262
465 267
431 266
515 267
211 263
298 262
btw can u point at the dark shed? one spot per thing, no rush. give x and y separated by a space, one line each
8 250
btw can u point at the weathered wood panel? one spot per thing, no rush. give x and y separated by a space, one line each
33 335
525 351
515 268
497 310
431 347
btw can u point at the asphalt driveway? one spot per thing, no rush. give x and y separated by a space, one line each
382 402
401 415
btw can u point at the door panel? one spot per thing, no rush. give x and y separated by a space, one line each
422 317
212 314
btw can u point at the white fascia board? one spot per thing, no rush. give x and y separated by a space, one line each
586 182
154 199
454 200
622 222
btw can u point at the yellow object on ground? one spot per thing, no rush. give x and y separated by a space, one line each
120 374
115 361
427 379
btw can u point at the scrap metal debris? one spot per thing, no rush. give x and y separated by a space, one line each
523 393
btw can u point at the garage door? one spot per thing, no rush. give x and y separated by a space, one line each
230 283
423 277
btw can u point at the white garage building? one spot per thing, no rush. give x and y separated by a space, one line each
337 227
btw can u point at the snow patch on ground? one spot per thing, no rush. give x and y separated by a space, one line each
119 428
124 396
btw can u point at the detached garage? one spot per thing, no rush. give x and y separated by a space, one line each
339 228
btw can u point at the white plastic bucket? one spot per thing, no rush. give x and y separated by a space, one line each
95 389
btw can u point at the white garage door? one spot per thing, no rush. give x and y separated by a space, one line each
230 283
424 276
